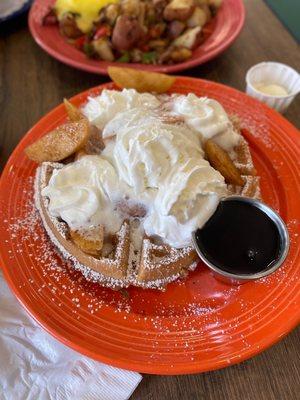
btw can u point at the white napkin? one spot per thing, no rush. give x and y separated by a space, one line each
8 7
33 365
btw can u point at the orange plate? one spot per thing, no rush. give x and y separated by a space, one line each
198 324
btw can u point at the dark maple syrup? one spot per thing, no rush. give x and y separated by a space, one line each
240 238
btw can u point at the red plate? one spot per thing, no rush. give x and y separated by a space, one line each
225 28
197 325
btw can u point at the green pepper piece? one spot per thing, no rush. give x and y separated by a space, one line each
149 57
88 50
125 58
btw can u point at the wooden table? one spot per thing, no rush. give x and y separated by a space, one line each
32 83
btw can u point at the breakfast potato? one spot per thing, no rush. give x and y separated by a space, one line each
73 112
90 240
131 7
207 11
112 12
60 143
189 39
69 28
103 49
179 55
159 4
142 81
221 161
215 4
202 2
198 18
179 10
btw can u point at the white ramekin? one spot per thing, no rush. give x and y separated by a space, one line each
267 73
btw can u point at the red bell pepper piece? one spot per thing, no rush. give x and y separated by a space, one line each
80 42
102 31
144 47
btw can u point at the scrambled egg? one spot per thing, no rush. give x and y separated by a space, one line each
87 10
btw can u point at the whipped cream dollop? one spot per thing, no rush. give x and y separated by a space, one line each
145 150
82 193
101 109
208 118
150 162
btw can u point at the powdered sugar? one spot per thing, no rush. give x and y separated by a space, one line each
174 256
195 319
199 318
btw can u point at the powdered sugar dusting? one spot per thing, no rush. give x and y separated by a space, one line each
199 322
200 315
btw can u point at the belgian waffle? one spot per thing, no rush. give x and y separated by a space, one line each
118 264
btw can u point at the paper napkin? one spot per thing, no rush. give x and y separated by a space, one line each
35 366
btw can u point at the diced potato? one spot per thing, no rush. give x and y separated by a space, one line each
136 55
198 18
188 39
142 14
207 11
165 57
159 3
68 27
179 9
158 44
202 2
130 7
215 3
112 12
179 55
142 81
103 49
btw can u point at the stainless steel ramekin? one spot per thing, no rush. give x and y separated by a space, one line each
238 279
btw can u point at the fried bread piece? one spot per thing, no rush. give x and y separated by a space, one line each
142 81
60 143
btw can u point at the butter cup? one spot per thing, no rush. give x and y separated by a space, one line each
267 73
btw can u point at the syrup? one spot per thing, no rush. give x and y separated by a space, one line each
240 238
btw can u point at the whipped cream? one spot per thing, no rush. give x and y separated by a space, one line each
82 193
145 150
147 162
185 201
208 118
101 109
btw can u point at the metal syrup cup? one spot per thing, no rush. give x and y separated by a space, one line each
238 279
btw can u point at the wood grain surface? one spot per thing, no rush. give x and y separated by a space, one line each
32 83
